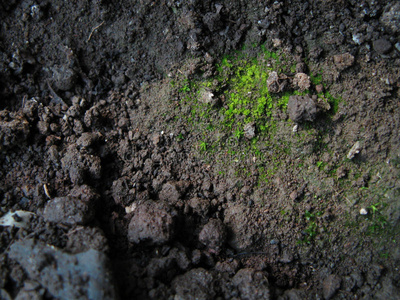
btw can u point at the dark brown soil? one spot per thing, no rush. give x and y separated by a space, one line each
108 192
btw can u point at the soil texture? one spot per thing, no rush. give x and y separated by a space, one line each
199 150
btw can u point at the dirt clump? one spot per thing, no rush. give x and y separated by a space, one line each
152 222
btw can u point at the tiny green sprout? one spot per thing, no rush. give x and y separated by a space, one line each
203 146
374 208
180 137
238 133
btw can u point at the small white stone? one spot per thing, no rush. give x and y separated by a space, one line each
356 38
295 127
363 211
131 208
354 150
18 218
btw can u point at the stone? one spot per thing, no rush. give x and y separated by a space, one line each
382 46
64 77
249 130
273 83
301 108
302 80
354 150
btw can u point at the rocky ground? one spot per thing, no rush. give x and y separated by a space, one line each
199 149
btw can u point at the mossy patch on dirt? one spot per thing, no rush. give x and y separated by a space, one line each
238 119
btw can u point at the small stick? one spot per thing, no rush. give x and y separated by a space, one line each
46 191
91 33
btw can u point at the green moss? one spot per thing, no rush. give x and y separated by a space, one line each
334 102
316 79
240 85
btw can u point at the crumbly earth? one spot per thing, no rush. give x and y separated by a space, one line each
114 134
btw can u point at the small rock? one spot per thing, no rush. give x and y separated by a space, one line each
249 130
354 150
382 46
68 210
301 108
397 46
319 88
64 77
363 211
207 97
296 194
358 38
330 286
302 80
213 235
87 139
18 219
32 290
343 61
152 222
273 84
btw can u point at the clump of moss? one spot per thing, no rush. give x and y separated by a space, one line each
220 108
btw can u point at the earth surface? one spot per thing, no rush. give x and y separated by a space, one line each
199 149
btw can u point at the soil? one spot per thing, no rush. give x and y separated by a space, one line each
118 180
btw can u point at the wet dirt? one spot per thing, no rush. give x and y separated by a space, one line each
128 199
